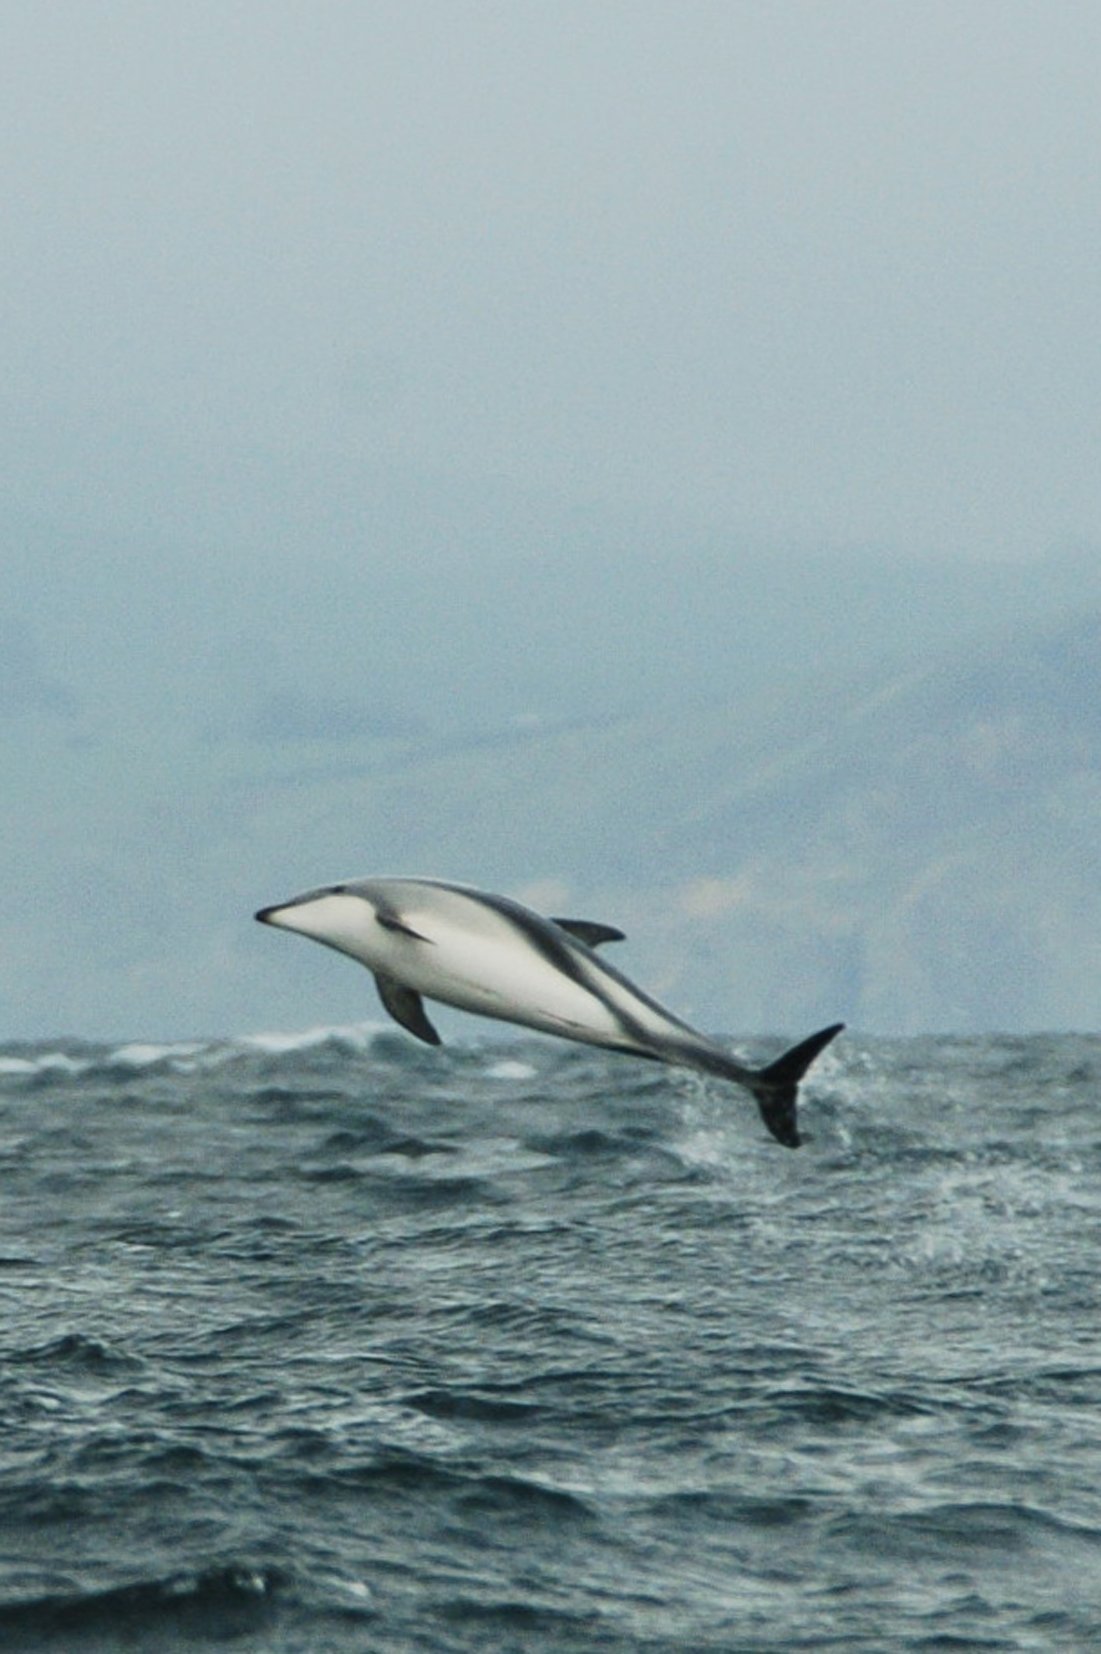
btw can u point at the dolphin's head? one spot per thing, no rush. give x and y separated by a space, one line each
336 915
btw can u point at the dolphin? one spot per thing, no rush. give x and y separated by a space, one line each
428 939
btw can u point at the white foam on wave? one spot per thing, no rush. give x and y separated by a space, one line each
356 1035
510 1069
17 1065
58 1062
142 1055
184 1056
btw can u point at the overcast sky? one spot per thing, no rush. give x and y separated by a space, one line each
335 333
827 271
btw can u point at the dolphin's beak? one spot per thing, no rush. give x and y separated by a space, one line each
293 915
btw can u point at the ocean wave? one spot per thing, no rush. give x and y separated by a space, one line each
76 1352
300 1328
952 1529
28 1066
217 1603
354 1036
496 1058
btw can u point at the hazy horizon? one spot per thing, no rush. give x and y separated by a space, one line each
406 373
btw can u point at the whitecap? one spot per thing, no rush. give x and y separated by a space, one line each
509 1069
52 1062
358 1035
139 1055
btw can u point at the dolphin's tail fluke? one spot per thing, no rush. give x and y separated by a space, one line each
776 1087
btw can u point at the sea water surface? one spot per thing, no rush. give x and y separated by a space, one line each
326 1342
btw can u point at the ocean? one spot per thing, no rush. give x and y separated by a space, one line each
328 1342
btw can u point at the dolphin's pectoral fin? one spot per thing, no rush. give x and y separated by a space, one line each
389 920
590 931
406 1007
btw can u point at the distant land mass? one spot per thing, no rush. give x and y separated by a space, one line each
921 852
910 851
907 849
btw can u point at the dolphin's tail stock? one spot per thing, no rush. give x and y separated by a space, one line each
776 1087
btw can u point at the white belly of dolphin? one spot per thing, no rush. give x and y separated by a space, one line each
492 976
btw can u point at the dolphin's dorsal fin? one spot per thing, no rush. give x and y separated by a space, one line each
590 931
406 1007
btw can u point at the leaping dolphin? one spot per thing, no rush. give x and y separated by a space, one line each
491 955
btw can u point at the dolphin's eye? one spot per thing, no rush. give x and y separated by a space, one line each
338 890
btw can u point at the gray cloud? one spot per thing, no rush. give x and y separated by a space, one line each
822 273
